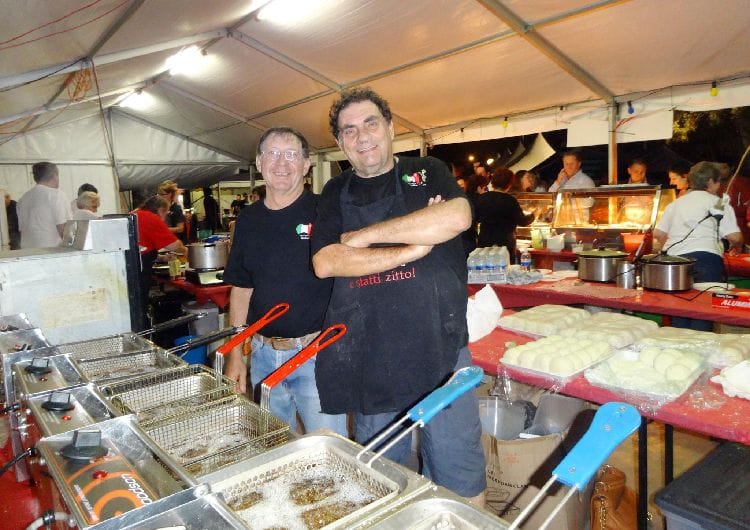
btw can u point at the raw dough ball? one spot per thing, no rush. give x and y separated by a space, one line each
562 365
663 360
677 372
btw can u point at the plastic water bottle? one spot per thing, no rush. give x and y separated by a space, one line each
482 266
526 260
502 259
471 266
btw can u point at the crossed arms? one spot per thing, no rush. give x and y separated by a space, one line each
416 232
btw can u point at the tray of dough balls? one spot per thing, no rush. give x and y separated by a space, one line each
718 349
616 329
543 320
555 357
660 374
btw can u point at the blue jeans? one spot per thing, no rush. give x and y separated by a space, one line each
452 454
297 393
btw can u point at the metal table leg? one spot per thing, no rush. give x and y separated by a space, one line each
642 506
668 454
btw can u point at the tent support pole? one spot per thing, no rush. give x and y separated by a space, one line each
612 144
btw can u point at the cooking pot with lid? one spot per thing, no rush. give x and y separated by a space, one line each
663 272
599 265
203 256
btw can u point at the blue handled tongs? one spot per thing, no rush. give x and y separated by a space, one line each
421 413
612 423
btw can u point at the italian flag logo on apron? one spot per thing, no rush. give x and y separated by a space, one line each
304 230
416 179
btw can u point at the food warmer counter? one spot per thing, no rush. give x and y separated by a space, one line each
601 215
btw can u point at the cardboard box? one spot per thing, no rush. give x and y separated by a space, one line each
517 470
737 299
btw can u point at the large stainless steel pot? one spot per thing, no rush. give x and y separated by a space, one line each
599 265
667 273
202 256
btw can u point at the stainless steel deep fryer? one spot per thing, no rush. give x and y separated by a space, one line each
218 434
329 481
167 393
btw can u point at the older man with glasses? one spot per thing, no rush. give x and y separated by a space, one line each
388 230
270 263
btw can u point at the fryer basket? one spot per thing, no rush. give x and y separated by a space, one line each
316 480
106 346
126 365
167 393
218 434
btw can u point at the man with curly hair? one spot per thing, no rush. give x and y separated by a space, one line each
388 232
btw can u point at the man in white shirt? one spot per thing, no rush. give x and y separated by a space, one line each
571 176
44 209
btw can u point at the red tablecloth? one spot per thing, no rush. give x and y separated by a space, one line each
601 294
724 417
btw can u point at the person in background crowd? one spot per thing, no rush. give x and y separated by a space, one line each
388 232
175 217
273 235
530 182
44 209
693 226
636 209
236 205
498 213
476 185
245 201
637 172
81 189
258 194
571 176
678 177
154 235
212 220
87 204
11 213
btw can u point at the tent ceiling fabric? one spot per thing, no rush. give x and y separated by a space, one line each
450 68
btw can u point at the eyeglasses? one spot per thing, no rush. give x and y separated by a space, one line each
370 125
290 155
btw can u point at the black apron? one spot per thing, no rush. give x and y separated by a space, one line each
405 325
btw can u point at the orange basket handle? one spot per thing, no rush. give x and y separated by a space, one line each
309 351
271 315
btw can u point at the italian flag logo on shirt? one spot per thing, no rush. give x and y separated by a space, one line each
304 230
416 179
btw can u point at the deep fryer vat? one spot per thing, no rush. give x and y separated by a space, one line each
433 508
299 485
183 389
218 434
106 346
127 365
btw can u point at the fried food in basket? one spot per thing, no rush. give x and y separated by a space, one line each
328 513
312 490
245 501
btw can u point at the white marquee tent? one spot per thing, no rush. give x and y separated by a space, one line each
453 71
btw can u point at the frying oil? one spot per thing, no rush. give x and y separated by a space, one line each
277 509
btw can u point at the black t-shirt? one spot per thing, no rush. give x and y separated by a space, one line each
498 214
271 255
176 216
368 190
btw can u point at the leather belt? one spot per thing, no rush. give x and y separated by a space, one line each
283 343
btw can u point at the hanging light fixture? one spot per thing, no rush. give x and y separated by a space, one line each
504 123
714 89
